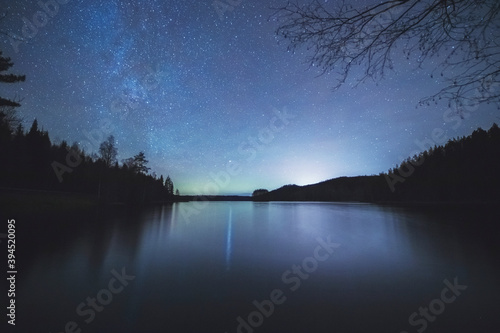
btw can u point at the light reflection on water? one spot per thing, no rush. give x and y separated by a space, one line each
200 276
228 239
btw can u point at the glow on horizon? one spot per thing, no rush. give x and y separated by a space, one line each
194 92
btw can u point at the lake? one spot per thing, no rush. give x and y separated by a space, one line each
261 267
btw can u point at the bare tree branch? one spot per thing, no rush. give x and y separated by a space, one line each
459 37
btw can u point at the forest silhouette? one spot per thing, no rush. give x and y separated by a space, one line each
30 161
462 171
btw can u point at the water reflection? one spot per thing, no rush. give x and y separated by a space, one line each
202 275
228 239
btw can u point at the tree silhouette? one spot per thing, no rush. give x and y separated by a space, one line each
34 128
108 151
259 192
8 118
458 37
169 185
30 161
137 163
5 65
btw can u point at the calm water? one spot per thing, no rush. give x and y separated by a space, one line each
309 267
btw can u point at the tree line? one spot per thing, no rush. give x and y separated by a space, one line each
29 160
463 170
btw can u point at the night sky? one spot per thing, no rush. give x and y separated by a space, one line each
197 91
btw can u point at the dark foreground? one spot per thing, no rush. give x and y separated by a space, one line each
258 267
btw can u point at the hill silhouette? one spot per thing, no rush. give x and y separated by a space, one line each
464 170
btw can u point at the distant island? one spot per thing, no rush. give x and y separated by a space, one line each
465 170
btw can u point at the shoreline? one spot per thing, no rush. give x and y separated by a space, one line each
20 201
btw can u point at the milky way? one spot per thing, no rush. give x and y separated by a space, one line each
200 91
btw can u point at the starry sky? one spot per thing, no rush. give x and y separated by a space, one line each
211 97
